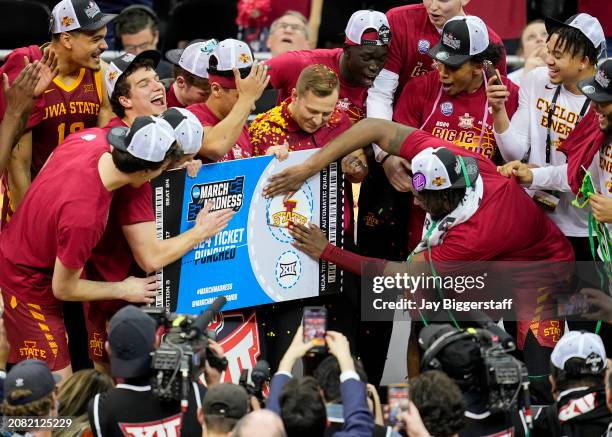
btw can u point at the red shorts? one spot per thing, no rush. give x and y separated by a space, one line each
97 315
36 331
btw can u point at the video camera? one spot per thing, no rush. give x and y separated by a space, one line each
478 359
184 348
260 374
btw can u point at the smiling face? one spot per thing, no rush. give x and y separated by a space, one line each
440 11
562 66
310 111
604 114
86 47
364 63
287 33
147 95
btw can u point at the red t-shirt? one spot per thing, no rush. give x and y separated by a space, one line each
114 122
508 225
286 69
277 126
171 99
63 215
458 119
412 37
242 149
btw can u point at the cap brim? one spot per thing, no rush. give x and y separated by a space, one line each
117 137
472 176
552 24
441 54
174 55
153 55
130 368
99 23
591 89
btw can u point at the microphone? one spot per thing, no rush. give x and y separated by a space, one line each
198 327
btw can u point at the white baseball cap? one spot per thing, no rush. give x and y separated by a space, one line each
585 23
187 129
579 344
149 138
232 53
70 15
462 37
122 62
439 169
360 21
194 58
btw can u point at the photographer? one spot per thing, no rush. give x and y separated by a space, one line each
299 402
578 367
132 403
460 355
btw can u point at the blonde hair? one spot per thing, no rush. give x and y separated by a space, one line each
319 79
75 393
39 407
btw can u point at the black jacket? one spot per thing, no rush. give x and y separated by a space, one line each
580 412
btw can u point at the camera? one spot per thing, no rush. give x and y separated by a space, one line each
478 359
183 351
260 374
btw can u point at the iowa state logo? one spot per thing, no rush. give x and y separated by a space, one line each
289 216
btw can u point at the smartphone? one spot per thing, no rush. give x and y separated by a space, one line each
397 398
315 327
490 72
576 304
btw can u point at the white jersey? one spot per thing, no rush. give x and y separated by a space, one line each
526 139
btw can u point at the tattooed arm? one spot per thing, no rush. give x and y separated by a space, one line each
388 135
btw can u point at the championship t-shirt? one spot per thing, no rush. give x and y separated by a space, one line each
463 119
63 215
529 129
508 225
286 68
243 147
412 35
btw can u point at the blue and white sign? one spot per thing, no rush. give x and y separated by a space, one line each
252 261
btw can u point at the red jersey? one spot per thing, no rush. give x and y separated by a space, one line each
115 122
413 36
63 215
242 149
485 236
171 100
286 69
277 126
463 119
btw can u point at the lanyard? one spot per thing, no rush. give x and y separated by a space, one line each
485 114
549 117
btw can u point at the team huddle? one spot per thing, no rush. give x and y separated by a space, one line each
473 164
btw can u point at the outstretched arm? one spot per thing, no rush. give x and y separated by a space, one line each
388 135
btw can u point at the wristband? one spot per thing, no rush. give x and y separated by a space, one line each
382 161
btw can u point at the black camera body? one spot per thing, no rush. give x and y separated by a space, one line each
183 351
487 366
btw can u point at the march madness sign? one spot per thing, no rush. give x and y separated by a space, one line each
252 261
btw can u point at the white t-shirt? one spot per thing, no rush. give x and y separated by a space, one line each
517 76
526 138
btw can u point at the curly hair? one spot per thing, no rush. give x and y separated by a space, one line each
440 403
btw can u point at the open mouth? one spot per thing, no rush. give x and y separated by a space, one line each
159 100
446 87
287 40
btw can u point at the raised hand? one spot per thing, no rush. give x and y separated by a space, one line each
252 86
47 71
397 169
